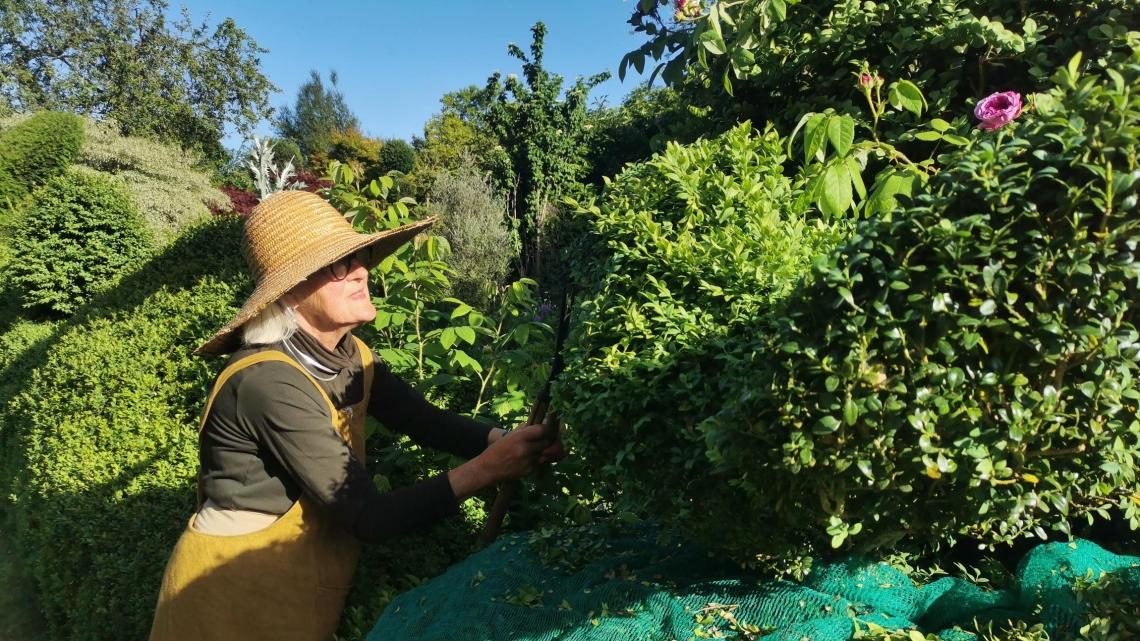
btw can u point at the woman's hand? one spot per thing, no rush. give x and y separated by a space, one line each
512 455
555 451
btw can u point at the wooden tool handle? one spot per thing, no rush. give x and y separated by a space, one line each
509 489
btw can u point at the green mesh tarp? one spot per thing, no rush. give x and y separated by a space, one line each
636 587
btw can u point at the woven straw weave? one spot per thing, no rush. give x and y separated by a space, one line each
287 238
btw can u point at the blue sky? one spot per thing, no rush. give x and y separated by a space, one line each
396 59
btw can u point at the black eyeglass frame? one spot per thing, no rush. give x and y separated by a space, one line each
344 265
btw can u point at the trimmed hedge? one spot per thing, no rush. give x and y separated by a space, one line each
79 233
689 249
166 184
966 367
963 368
37 150
98 428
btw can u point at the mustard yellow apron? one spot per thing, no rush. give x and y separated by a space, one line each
286 582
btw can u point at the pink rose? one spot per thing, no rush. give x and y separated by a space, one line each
998 110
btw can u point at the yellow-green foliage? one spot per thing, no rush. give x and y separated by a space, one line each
164 185
98 432
35 151
168 191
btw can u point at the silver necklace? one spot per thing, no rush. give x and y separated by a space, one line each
303 358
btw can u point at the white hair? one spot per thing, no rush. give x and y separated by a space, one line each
273 325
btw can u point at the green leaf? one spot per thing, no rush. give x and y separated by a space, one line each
850 411
777 10
841 133
827 425
910 97
929 136
836 190
939 125
447 338
815 137
466 333
522 334
856 174
461 310
712 41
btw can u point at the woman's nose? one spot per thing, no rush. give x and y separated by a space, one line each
358 271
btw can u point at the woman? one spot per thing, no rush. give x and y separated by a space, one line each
284 499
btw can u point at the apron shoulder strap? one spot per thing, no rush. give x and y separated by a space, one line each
249 361
367 361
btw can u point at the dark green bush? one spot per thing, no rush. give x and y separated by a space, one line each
963 368
397 155
37 150
956 51
691 247
78 234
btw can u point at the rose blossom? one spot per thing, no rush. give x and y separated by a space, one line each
998 110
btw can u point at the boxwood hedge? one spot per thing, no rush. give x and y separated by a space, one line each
964 367
36 150
98 429
77 235
688 250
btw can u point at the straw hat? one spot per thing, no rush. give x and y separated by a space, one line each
288 237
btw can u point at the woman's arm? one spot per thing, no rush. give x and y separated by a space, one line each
291 423
401 408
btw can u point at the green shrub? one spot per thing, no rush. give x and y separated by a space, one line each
99 426
79 233
965 367
397 155
800 58
165 183
691 247
472 219
36 150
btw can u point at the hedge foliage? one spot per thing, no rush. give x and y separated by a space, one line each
691 248
79 233
98 429
36 150
165 183
964 367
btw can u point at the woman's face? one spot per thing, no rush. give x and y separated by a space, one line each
330 305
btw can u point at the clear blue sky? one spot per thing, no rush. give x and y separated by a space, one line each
396 59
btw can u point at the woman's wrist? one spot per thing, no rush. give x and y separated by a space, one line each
469 478
495 434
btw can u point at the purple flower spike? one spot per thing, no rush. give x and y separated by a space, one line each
537 318
998 110
545 309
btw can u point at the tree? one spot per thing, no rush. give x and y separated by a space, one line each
122 59
318 112
544 134
459 134
397 155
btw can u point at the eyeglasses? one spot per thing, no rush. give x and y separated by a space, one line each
341 268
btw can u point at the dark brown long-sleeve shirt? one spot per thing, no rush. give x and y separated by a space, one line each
269 438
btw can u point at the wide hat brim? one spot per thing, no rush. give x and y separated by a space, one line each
276 282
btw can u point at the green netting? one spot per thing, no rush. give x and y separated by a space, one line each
637 587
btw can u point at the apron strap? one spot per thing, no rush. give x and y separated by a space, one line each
234 368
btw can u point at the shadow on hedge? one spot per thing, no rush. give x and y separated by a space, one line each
98 431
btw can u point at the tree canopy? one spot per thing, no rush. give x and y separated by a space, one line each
319 111
123 60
